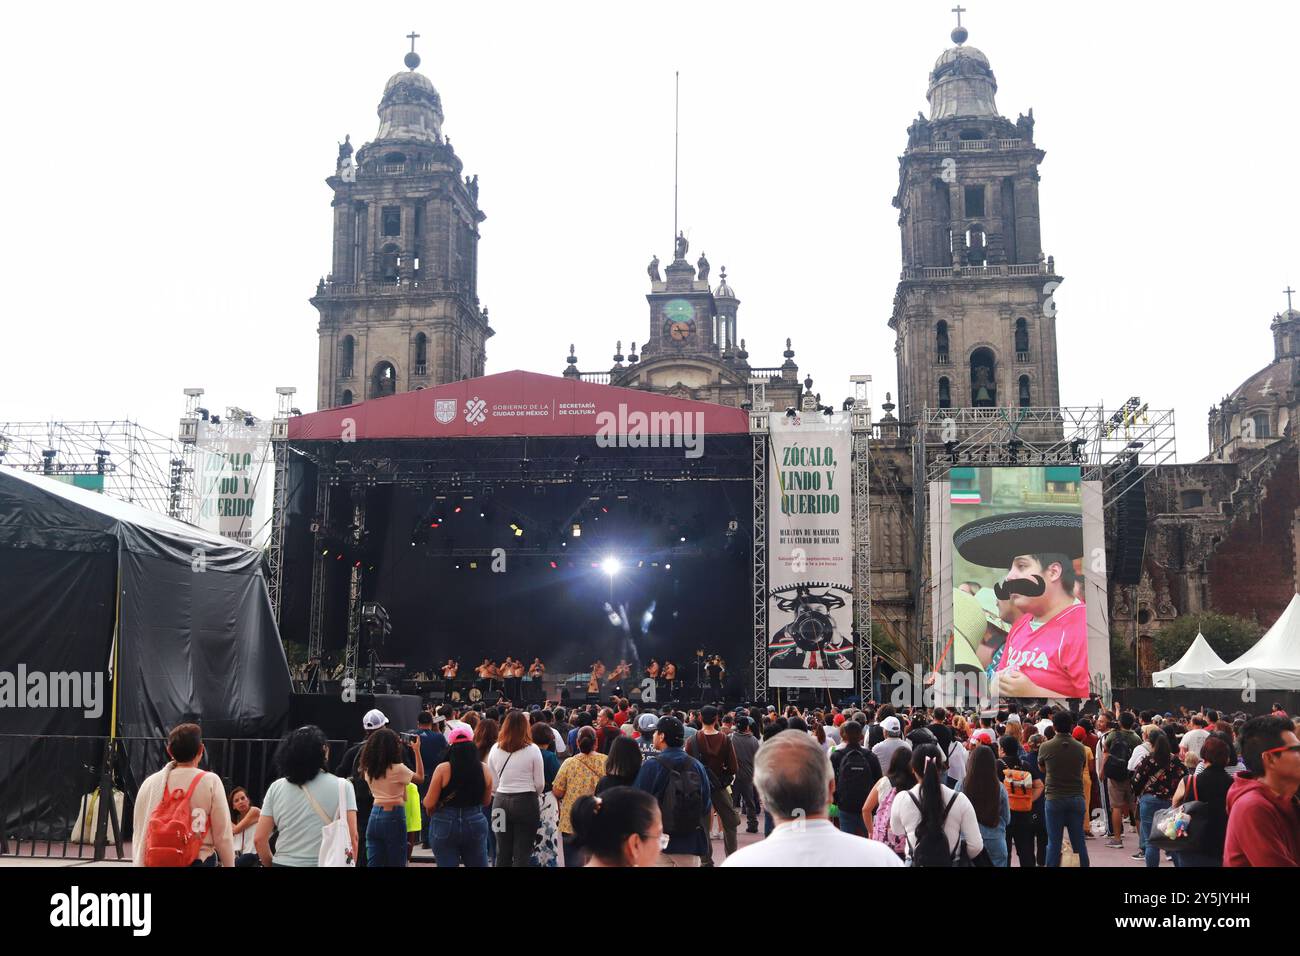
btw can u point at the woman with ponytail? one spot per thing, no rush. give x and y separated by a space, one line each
935 820
621 827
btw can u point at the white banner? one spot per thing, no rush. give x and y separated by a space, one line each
234 471
810 553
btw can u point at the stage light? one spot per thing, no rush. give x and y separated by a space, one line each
683 538
577 530
668 567
473 565
611 566
357 565
338 557
553 565
482 514
456 510
325 552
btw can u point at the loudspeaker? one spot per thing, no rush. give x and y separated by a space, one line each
1130 535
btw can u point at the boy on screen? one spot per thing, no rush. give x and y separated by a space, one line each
1046 651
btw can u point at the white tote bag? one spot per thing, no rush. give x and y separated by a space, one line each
335 838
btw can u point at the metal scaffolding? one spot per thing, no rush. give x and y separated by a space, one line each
865 648
760 410
122 459
1120 447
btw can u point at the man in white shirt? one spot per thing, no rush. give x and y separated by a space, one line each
794 780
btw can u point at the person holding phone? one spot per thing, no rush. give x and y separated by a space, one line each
387 776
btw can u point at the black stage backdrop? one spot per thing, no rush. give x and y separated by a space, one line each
431 566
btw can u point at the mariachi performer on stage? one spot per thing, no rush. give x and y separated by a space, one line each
514 678
715 670
1046 651
536 670
669 674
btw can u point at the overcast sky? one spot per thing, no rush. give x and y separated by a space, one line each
166 216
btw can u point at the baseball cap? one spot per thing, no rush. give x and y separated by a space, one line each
982 736
460 734
1013 718
890 725
647 723
373 720
838 719
671 728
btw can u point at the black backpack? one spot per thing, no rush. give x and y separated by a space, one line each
682 802
931 842
854 781
1117 757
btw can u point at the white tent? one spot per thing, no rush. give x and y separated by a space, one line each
1273 663
1191 667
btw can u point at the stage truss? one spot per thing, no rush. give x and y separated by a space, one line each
134 464
1120 447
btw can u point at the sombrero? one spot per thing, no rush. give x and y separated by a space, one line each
995 542
969 622
988 600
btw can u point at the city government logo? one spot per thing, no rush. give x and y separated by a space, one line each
444 410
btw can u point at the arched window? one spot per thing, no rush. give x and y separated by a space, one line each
347 396
1022 339
347 352
1024 392
941 342
983 379
945 394
1261 424
421 354
383 381
389 261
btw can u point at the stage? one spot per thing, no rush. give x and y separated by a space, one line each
482 544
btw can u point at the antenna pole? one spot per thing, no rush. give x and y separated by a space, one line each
677 86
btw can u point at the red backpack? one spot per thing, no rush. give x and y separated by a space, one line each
171 838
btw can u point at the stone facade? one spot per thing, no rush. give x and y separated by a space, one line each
691 349
1224 533
399 309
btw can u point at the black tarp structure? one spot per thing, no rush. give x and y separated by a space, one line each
196 639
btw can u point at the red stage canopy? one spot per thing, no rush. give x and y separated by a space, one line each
518 403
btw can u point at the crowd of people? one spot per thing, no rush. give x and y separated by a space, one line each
623 785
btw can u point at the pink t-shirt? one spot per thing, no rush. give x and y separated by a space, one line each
1055 655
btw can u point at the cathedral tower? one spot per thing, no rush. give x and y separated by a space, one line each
974 312
400 310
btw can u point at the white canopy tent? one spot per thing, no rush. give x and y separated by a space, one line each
1273 663
1191 667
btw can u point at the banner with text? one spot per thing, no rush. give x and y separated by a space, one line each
233 481
810 553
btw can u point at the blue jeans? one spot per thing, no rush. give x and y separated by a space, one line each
1147 807
458 835
1065 813
851 822
386 837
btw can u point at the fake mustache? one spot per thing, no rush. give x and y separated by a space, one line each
1029 587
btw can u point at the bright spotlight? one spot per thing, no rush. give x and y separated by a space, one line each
611 566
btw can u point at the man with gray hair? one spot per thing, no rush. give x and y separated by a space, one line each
795 783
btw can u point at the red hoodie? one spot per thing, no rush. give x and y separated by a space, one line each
1263 829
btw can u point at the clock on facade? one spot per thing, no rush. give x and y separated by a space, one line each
679 316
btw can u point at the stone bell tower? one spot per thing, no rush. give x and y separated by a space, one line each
399 310
974 311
